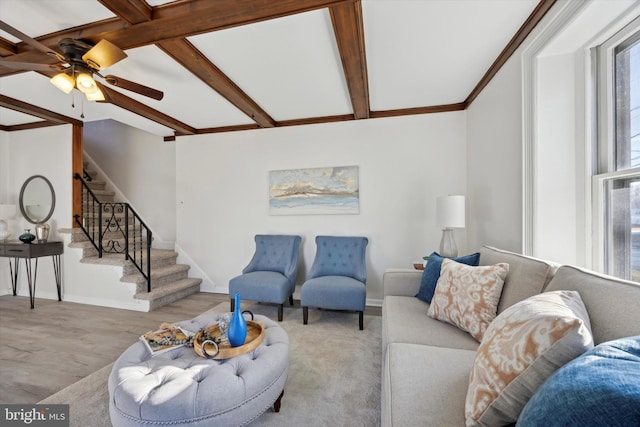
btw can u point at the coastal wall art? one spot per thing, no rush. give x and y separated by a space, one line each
328 190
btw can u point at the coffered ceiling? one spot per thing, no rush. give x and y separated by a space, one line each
227 65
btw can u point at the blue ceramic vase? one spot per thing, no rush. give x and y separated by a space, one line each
237 325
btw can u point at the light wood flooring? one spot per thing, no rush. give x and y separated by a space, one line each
56 344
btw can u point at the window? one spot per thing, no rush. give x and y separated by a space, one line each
617 182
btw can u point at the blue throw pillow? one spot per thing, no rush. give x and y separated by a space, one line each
432 273
599 388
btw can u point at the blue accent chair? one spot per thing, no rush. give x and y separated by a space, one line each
271 275
338 276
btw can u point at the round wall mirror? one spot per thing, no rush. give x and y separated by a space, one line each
37 199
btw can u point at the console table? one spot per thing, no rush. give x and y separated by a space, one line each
28 252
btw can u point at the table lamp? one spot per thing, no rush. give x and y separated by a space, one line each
450 215
7 212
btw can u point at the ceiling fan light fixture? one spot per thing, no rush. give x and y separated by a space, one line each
64 82
97 95
85 83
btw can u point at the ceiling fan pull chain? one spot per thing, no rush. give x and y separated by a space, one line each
82 108
73 100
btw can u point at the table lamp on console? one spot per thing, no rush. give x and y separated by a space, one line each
7 213
449 214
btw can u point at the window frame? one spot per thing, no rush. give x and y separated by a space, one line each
606 172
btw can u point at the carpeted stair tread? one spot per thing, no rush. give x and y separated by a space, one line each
157 274
119 259
172 288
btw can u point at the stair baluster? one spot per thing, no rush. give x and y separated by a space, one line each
103 243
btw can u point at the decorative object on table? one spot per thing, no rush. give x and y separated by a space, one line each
7 212
42 232
208 343
450 214
223 324
27 237
328 190
166 337
237 332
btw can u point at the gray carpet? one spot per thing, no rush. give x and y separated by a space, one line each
334 374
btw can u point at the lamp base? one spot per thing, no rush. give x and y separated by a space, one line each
4 230
448 248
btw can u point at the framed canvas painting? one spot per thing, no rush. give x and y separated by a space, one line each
328 190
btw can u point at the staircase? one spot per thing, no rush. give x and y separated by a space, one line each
169 280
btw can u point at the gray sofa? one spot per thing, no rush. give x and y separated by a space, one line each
426 363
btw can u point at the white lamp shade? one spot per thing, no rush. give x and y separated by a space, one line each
7 211
450 211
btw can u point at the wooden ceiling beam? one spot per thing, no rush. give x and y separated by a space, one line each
203 16
173 20
7 48
532 21
116 98
34 110
349 31
134 12
182 51
32 125
418 110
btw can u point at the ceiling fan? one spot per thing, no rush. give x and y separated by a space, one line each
77 64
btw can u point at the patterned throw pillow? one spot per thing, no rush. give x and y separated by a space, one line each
521 348
467 296
431 273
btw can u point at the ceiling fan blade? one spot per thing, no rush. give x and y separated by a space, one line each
133 87
30 41
30 66
103 55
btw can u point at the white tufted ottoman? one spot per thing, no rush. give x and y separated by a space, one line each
179 388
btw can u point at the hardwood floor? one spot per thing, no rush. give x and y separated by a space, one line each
56 344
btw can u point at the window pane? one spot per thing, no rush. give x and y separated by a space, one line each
627 88
624 228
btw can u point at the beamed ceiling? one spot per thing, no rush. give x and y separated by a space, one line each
227 65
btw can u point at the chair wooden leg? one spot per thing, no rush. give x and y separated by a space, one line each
291 300
278 402
305 315
280 312
361 318
232 303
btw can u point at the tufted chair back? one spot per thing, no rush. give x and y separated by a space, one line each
277 253
340 256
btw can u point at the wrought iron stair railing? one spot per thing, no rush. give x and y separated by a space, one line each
102 223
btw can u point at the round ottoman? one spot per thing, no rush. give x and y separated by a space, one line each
179 388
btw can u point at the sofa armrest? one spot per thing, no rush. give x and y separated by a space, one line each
401 282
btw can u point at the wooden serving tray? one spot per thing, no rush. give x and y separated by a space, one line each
255 332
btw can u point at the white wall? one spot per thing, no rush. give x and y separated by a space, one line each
556 210
142 167
494 163
47 152
404 164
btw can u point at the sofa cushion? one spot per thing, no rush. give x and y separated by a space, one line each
405 320
431 273
527 276
468 297
522 347
424 385
608 301
601 387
